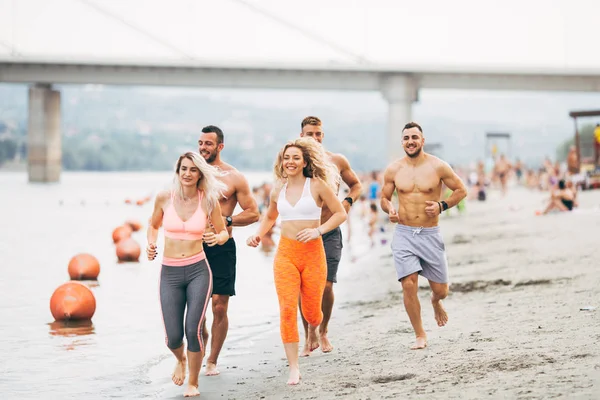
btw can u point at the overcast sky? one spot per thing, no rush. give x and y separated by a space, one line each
495 33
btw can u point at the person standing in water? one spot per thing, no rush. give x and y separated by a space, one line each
417 245
307 181
185 277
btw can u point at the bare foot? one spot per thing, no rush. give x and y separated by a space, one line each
211 369
191 391
313 339
305 350
294 376
440 314
326 346
178 376
421 343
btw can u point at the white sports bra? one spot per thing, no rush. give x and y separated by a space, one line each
305 209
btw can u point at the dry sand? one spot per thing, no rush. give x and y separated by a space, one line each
516 328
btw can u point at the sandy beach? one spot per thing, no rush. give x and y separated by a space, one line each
519 283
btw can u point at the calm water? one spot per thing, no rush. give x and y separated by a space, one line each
43 226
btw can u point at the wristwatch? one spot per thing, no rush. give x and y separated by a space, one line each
229 221
349 200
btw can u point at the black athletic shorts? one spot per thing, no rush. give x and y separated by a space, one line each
222 260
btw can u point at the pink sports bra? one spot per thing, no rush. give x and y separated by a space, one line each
305 209
192 229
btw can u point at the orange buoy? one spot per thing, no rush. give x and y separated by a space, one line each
72 301
140 202
121 232
134 225
84 267
128 250
127 201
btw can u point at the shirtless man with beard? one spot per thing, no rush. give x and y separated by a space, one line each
222 259
417 245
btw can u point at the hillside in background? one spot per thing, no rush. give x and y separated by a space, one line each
136 128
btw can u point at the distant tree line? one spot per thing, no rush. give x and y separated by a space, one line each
130 151
126 151
8 150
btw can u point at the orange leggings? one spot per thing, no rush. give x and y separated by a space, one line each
299 268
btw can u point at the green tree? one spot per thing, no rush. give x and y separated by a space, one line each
586 141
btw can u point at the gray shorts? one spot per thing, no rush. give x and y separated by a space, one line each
332 242
420 250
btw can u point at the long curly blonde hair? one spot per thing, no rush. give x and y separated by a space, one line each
212 187
318 164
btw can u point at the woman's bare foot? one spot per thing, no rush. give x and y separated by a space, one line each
178 376
191 391
421 343
211 369
294 376
440 314
326 346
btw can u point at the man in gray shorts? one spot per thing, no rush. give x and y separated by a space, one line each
417 246
332 241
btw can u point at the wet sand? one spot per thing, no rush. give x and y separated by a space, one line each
516 329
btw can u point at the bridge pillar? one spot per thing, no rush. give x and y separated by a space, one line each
400 91
44 151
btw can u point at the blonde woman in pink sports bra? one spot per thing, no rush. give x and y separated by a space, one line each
186 278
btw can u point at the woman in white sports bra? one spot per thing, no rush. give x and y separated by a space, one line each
306 181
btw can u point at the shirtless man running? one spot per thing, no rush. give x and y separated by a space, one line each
222 259
332 241
417 246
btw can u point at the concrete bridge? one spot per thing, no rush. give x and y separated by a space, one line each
399 85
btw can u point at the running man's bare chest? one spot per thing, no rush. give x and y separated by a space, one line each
416 181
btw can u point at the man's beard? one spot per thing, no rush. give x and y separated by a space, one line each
211 157
415 154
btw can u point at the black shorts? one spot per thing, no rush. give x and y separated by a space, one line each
332 242
568 204
222 260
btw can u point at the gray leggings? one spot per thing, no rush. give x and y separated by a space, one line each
191 285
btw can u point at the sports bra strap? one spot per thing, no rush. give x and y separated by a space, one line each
306 187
